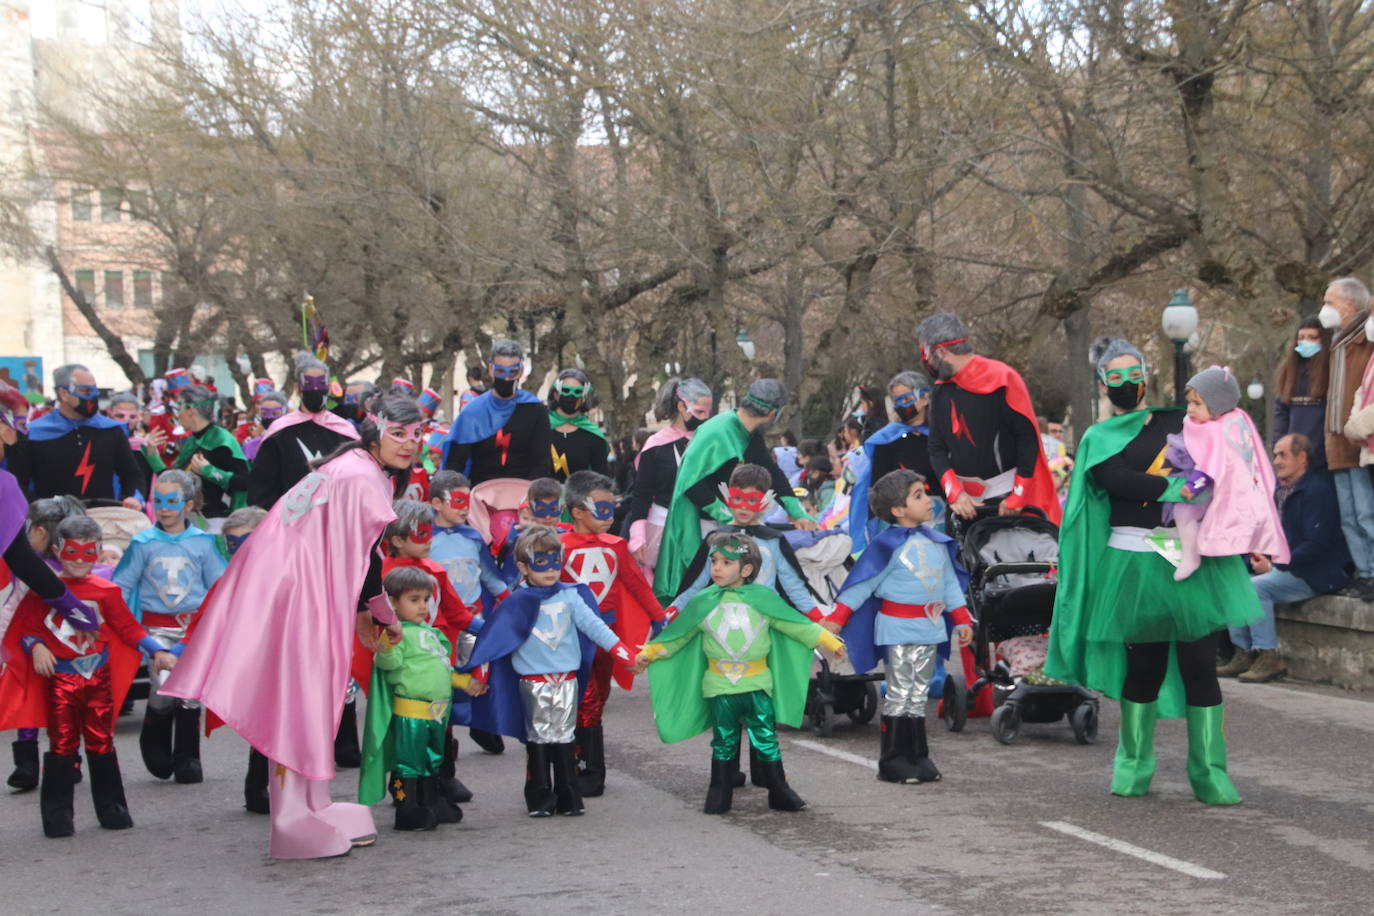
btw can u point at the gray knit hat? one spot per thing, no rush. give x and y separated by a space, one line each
1218 389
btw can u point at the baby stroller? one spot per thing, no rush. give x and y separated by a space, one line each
1013 564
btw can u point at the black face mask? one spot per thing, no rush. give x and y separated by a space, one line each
908 413
504 387
350 412
87 406
313 401
1126 397
692 423
568 404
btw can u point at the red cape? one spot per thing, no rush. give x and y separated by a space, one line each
620 588
981 375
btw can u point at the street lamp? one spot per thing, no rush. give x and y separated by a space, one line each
1180 322
745 344
1255 390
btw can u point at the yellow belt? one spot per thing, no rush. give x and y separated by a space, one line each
420 709
735 671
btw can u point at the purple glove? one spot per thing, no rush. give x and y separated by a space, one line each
75 611
1199 482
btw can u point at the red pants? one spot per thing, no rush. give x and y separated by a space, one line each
593 704
80 706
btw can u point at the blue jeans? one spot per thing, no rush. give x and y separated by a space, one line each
1355 496
1277 586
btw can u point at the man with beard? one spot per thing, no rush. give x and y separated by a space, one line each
984 443
302 436
720 443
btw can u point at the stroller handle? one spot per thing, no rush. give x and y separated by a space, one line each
1003 569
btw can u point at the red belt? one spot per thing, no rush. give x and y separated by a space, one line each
931 611
556 678
170 621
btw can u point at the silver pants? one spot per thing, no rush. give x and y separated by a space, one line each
169 637
908 671
550 709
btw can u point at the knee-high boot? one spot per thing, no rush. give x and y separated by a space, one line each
1207 757
55 794
25 775
780 794
539 796
155 741
721 792
256 798
591 745
186 745
568 797
1134 764
107 791
449 784
346 751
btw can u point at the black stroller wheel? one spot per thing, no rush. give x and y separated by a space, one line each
868 706
821 723
1084 723
1006 722
956 702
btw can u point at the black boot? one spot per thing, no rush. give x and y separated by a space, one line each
256 798
55 794
346 751
411 811
107 791
568 798
919 750
449 783
25 775
488 741
186 746
758 774
155 742
432 796
539 797
894 750
722 789
591 778
780 794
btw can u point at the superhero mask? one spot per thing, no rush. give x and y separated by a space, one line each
87 398
422 534
1115 378
74 551
1125 386
731 550
268 414
127 416
460 499
936 366
573 389
545 561
695 415
546 509
505 378
314 390
169 502
234 541
601 509
906 402
400 433
753 500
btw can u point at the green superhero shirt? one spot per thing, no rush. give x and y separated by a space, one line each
418 666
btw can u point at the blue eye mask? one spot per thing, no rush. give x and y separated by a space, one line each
601 509
544 562
234 542
171 502
545 508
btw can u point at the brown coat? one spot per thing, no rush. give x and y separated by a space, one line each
1341 453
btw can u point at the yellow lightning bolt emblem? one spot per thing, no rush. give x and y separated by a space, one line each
1157 468
560 462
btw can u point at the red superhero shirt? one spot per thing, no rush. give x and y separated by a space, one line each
451 615
23 693
603 563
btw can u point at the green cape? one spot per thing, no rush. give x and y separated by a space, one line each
680 710
212 437
1082 590
581 421
377 753
720 439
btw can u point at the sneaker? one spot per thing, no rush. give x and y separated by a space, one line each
1268 666
1240 662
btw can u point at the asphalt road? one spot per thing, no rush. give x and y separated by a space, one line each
1010 829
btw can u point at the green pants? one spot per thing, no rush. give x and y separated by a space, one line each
753 711
417 746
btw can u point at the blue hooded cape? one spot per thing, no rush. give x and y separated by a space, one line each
862 528
481 419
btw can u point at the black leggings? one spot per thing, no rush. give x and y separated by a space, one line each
1147 663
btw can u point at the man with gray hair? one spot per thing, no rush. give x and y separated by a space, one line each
984 443
700 494
75 450
1345 312
505 431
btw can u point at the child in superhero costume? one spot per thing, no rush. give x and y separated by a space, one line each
736 657
893 608
539 646
73 682
408 709
603 562
543 505
165 575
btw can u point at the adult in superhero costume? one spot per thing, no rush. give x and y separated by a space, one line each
292 442
358 393
720 443
1122 625
578 443
504 432
684 404
984 443
902 444
209 451
76 450
278 676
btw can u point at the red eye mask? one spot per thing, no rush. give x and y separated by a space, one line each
460 499
80 551
752 500
422 534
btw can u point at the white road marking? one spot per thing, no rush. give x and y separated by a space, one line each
1149 855
835 752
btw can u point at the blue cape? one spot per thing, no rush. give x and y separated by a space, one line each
858 632
53 425
500 710
486 415
153 534
862 529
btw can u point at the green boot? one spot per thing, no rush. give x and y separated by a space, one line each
1207 757
1134 764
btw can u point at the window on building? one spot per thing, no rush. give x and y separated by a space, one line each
109 205
85 284
143 289
81 205
114 288
138 205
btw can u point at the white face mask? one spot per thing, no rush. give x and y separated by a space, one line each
1329 317
1369 328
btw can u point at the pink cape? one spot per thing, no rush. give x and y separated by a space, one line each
662 437
274 643
325 418
1241 516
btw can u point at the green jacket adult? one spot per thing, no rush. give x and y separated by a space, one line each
224 479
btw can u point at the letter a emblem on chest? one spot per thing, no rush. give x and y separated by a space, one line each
594 567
